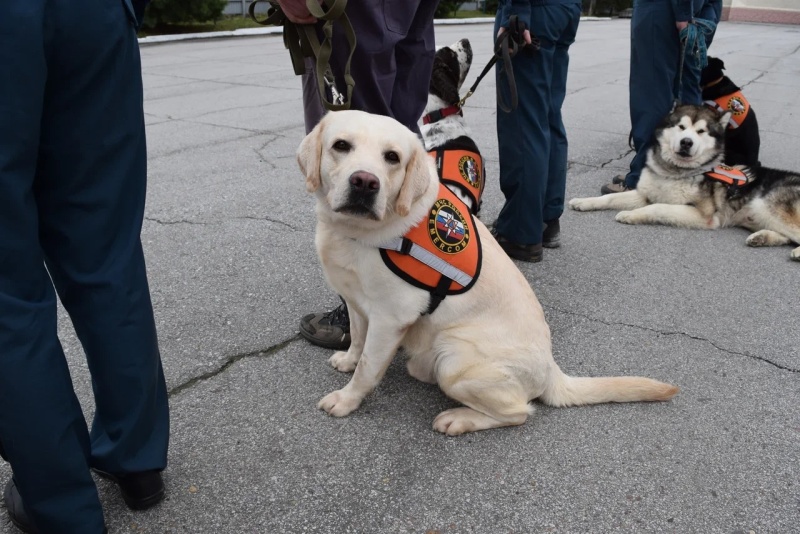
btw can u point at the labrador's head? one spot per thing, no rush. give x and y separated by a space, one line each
365 167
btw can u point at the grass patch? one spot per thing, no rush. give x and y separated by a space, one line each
236 22
228 23
471 14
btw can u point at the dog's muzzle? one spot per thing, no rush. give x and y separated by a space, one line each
686 147
364 188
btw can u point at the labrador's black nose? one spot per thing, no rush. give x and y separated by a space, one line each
364 183
686 143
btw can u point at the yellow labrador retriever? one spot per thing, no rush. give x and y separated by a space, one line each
488 348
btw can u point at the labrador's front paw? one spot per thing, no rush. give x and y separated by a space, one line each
343 361
339 403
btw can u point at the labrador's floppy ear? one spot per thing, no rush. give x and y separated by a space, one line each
415 181
309 154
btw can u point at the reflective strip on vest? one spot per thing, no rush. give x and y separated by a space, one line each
442 253
463 168
431 260
727 175
736 103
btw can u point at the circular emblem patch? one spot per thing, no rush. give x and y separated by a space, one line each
468 168
736 105
447 228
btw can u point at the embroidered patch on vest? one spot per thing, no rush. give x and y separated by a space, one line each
447 227
736 105
468 168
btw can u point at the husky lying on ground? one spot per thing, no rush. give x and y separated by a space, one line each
444 131
678 188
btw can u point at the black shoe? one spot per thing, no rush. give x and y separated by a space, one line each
140 491
529 253
16 512
614 188
551 237
618 179
330 330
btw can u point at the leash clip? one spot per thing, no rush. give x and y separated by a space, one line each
464 98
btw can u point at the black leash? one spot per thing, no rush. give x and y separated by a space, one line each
506 47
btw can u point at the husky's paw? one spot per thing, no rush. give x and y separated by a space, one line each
339 403
628 217
795 255
343 361
581 204
759 239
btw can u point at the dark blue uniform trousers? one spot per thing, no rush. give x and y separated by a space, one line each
392 62
654 65
72 191
532 141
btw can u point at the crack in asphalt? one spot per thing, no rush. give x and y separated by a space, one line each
229 361
625 154
276 221
677 333
201 223
182 221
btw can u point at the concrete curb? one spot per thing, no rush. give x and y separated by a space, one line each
251 32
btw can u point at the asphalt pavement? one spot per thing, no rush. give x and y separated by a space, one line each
229 235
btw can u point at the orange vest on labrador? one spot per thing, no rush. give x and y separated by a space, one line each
462 168
736 103
441 254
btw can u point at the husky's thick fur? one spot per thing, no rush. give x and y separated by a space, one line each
450 68
488 348
673 189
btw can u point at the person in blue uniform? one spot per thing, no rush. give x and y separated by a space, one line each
656 29
532 141
391 67
72 191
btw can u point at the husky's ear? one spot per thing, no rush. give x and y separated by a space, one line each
724 119
309 154
416 180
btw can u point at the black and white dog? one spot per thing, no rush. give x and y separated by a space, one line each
681 185
444 131
742 140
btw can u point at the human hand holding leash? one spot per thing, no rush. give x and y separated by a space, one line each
297 11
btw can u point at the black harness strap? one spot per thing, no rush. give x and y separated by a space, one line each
438 294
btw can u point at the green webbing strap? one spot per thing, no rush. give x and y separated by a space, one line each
336 12
301 40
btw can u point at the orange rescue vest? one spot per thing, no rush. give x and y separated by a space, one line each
462 168
736 103
731 176
441 254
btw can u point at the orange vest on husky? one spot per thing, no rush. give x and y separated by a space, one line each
441 254
736 103
462 168
728 175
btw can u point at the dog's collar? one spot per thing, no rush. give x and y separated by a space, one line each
439 114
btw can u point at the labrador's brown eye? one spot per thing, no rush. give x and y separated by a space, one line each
701 131
342 146
391 156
